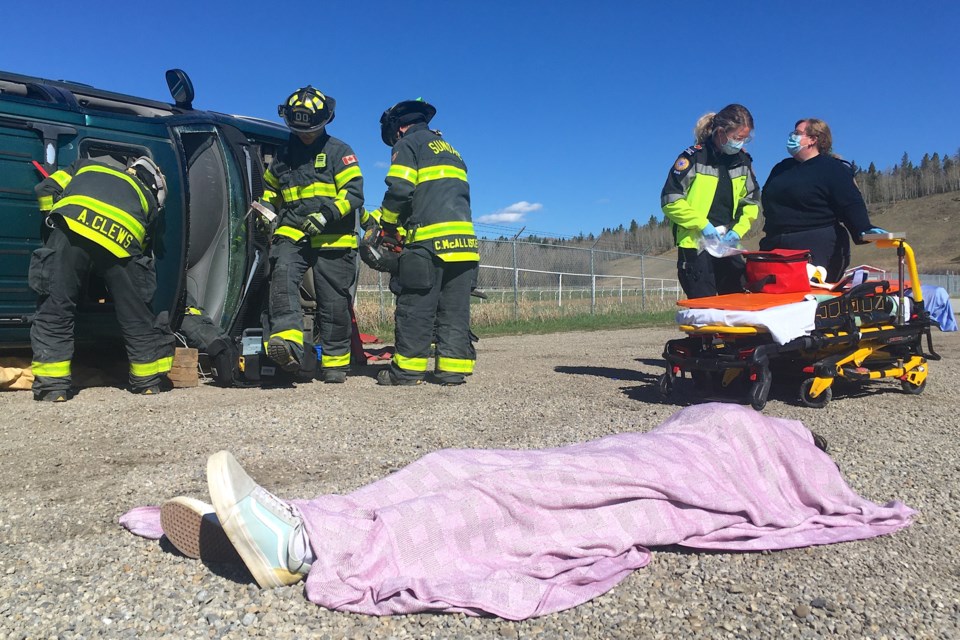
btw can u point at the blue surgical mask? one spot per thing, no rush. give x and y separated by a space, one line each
793 144
732 147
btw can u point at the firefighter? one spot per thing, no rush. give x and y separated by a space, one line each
101 219
314 185
428 195
711 196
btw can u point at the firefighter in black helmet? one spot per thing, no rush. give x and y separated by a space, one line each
428 195
315 187
101 219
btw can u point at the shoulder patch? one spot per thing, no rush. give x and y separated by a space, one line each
350 159
682 164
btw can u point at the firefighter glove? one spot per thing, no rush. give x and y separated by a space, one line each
370 220
313 224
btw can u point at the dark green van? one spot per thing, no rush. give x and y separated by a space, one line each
214 168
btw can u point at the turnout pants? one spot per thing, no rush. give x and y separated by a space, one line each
334 276
58 273
702 275
433 306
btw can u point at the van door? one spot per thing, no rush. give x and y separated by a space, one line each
217 238
20 232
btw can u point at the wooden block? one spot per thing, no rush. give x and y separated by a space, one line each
183 373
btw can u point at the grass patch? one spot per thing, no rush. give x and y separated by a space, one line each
578 322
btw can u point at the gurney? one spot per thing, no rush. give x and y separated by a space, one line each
860 333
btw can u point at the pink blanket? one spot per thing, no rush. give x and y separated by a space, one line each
521 534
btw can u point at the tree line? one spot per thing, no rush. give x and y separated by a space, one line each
935 174
904 181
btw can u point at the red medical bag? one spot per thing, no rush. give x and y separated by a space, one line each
778 271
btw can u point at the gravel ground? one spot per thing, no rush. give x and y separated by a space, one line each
67 570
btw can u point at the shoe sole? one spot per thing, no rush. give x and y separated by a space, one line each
229 484
193 528
280 353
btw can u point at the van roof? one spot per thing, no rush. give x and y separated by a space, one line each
77 96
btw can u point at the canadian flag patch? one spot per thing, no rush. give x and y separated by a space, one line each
349 159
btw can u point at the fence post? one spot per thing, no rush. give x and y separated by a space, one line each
593 283
560 292
643 286
516 282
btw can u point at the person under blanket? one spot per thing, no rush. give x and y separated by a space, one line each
520 534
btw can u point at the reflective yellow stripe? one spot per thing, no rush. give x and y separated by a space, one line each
151 368
465 256
123 176
81 229
455 365
334 241
335 361
441 171
290 335
346 176
46 203
193 311
389 216
343 204
119 216
51 369
404 173
289 232
324 189
439 229
410 364
62 178
291 195
271 179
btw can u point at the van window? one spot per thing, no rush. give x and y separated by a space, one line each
110 153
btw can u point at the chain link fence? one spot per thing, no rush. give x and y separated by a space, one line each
534 281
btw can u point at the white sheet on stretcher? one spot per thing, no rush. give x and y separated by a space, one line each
784 322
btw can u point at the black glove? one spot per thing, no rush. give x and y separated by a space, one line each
225 360
313 224
370 220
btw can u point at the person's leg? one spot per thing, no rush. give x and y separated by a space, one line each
455 353
268 533
839 258
729 273
149 343
58 271
695 272
284 334
335 274
420 279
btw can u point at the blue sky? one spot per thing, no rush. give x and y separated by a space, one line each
568 114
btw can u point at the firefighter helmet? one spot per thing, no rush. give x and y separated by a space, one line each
307 110
401 114
149 174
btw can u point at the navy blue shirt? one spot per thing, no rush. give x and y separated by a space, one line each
813 194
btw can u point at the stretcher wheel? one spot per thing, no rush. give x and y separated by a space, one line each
759 391
820 401
665 385
913 389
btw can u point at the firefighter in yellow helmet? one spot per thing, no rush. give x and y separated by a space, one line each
315 187
101 219
428 195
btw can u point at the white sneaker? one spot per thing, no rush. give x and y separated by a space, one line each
261 526
192 527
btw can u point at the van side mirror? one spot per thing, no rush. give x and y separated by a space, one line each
181 88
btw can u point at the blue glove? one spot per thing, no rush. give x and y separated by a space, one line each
731 238
874 230
710 232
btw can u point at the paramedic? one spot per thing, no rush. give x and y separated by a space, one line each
810 197
315 187
711 187
428 195
101 219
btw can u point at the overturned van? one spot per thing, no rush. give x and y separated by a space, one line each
213 164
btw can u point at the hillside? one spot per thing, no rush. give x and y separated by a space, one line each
931 224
